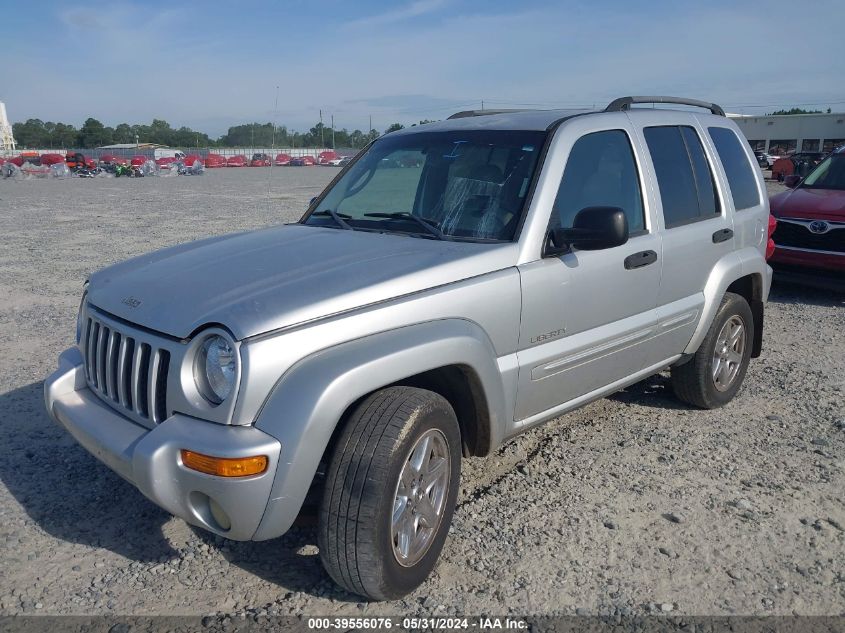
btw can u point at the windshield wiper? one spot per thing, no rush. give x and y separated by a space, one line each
337 217
403 215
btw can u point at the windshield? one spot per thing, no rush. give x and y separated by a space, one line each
448 185
830 174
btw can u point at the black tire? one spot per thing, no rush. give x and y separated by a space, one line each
355 521
694 382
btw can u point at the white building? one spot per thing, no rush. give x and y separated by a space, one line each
7 141
780 134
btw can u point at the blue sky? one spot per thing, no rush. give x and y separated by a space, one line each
214 64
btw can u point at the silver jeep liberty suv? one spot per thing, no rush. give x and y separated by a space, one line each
456 284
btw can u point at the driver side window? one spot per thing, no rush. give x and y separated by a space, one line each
600 172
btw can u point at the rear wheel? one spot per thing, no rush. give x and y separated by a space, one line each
715 373
390 493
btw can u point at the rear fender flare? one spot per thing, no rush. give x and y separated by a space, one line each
731 267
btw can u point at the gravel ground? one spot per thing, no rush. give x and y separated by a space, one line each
632 505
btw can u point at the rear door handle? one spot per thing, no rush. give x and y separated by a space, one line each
638 260
722 235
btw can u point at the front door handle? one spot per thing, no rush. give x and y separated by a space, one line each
638 260
722 235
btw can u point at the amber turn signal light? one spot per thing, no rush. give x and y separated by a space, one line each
224 466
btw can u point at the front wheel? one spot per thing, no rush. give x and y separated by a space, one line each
712 377
390 493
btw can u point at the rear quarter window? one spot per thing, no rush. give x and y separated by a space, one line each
738 169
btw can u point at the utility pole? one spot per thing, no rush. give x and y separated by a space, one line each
322 140
482 104
371 124
275 119
333 132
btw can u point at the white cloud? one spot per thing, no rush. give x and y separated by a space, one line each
413 10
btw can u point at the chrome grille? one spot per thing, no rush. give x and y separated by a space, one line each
125 371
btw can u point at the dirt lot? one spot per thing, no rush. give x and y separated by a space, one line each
634 504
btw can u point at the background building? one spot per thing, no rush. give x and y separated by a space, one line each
779 134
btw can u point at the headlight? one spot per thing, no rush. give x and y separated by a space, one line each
215 369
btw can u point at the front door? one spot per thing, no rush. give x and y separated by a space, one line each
586 314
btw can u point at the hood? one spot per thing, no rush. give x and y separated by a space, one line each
815 204
259 281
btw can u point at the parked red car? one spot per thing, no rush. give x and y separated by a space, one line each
323 158
26 157
138 161
282 160
260 160
236 161
800 163
52 159
165 162
76 160
309 161
212 161
190 159
106 160
810 234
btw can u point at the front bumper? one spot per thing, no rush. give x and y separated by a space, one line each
150 458
808 258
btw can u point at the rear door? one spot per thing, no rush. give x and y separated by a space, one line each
695 222
745 185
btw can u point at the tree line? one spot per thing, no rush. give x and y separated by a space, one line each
36 133
798 111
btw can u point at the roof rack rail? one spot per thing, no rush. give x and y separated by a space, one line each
468 113
624 103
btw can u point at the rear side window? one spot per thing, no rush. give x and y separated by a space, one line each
683 175
737 167
600 172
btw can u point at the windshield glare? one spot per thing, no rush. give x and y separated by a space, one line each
830 174
466 184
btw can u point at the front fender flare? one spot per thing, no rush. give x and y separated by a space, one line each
310 399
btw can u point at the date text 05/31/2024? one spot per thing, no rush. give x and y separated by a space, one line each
481 623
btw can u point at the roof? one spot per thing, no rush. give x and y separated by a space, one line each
538 120
541 120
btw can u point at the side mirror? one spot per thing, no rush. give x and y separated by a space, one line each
313 200
594 228
791 181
